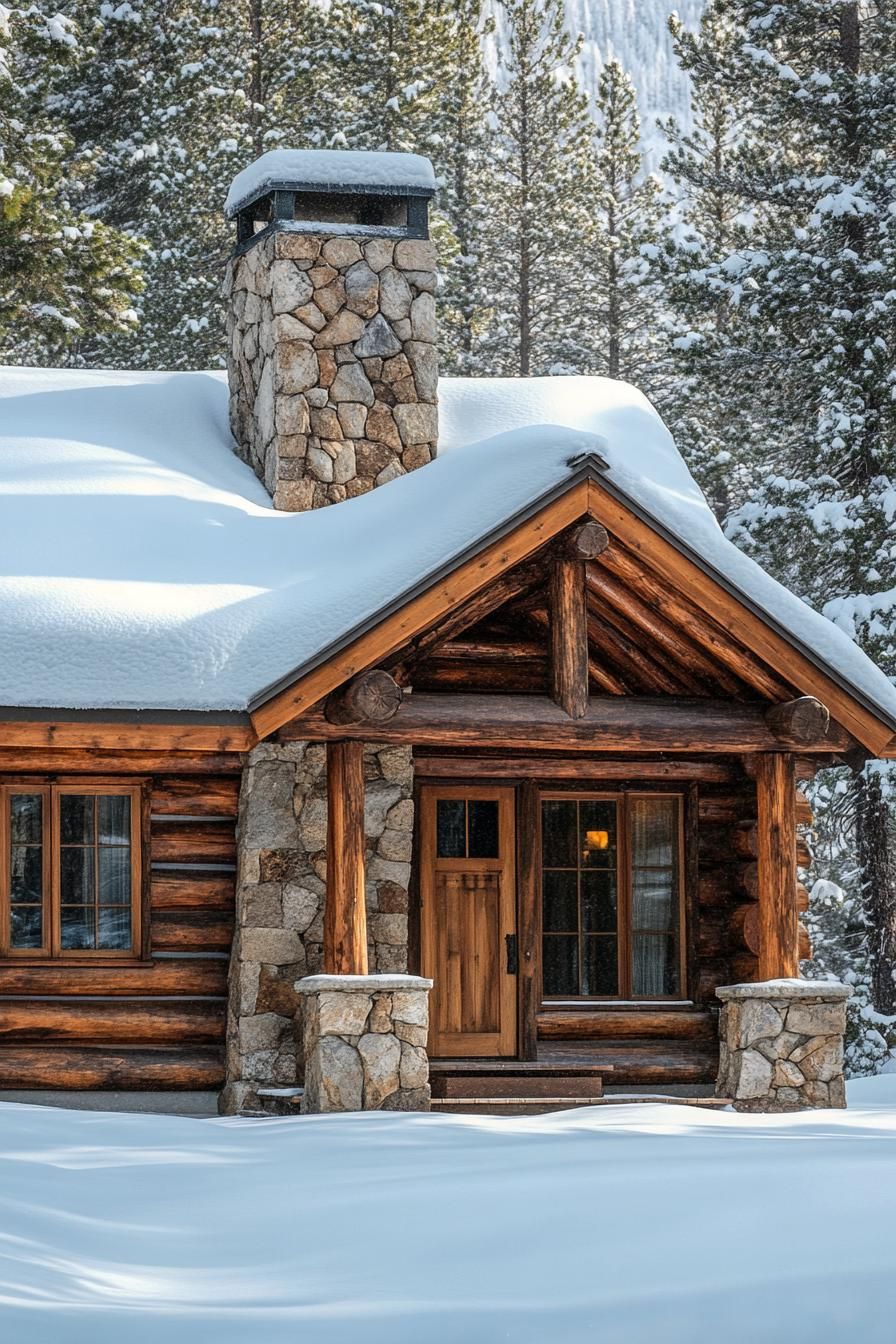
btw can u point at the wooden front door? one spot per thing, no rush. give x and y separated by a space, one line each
468 919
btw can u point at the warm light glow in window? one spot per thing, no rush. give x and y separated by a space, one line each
597 840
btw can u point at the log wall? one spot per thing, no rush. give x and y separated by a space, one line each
158 1023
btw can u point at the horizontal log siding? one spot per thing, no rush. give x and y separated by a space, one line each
159 1024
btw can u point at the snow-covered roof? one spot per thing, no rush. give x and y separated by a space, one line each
328 170
143 566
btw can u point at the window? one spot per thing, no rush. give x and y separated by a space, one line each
70 878
611 896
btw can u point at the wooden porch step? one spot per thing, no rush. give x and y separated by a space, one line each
640 1062
515 1087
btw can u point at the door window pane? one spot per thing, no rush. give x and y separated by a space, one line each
655 964
597 833
653 903
451 828
600 974
653 822
560 903
579 895
559 833
598 902
482 823
560 964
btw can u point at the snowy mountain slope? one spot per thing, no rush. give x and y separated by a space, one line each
636 33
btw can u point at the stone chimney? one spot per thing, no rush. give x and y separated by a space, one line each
332 357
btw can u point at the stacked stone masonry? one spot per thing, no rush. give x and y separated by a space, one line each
281 881
334 364
782 1045
365 1043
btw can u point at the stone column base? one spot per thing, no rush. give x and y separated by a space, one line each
782 1044
365 1042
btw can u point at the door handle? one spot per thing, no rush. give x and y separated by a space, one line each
513 961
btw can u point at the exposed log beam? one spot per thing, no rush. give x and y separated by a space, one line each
691 621
585 542
620 724
345 912
776 867
686 682
569 637
518 584
603 636
583 768
372 697
487 650
799 721
602 676
666 636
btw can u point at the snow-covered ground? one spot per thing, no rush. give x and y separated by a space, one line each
612 1224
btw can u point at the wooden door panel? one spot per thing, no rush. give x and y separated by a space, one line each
468 909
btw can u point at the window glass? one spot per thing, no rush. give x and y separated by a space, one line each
482 824
467 828
26 871
451 828
654 850
579 896
610 911
95 871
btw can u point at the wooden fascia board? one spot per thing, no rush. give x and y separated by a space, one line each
741 623
421 611
123 736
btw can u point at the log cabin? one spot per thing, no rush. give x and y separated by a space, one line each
333 665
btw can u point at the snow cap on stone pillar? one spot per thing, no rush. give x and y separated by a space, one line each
333 365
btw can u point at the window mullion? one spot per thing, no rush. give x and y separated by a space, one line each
624 886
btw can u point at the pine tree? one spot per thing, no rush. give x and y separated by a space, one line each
539 196
817 282
179 96
399 63
63 275
710 401
460 219
625 287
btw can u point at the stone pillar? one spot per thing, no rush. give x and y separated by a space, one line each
782 1044
365 1042
281 876
333 363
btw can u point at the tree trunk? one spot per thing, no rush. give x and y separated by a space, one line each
872 825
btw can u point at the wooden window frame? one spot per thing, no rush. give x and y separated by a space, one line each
624 870
52 790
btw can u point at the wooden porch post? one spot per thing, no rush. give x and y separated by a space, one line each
776 867
345 912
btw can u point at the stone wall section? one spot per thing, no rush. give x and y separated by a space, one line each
281 882
781 1045
333 363
365 1043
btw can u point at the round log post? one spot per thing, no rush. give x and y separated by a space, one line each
345 910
